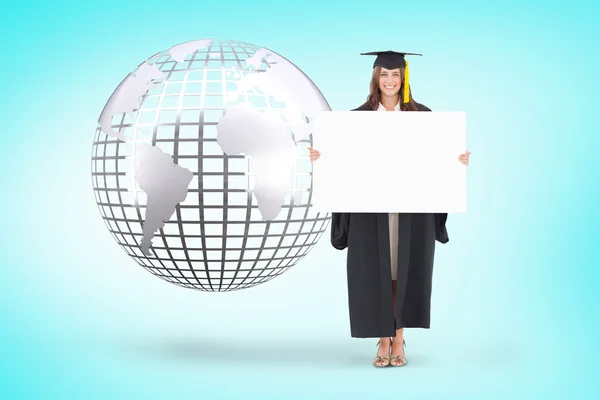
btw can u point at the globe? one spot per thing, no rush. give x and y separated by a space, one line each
200 167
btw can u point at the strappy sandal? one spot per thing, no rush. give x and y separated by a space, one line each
398 361
378 358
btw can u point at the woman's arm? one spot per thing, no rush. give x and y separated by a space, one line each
340 228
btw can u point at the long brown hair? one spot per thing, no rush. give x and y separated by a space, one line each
374 96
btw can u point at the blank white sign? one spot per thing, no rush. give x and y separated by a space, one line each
389 162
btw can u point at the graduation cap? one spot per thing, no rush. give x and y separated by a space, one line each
391 60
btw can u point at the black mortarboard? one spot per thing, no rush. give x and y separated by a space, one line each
391 60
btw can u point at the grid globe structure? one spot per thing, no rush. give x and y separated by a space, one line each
216 239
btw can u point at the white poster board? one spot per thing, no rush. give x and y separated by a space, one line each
389 162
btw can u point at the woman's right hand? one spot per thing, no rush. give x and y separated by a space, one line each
314 154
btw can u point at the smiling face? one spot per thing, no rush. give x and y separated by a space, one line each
390 81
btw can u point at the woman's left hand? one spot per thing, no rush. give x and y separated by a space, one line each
464 158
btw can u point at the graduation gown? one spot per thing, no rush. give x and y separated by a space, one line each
366 236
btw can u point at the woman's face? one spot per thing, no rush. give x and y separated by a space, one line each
390 81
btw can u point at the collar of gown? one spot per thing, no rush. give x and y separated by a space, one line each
382 107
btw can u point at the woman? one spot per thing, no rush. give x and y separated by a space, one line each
390 256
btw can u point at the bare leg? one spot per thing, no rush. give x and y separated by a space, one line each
384 349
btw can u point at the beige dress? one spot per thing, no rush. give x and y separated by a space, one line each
393 221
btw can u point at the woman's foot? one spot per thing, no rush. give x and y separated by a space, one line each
398 358
383 352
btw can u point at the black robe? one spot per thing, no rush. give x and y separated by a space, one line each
366 235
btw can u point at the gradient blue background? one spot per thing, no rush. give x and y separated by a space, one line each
515 303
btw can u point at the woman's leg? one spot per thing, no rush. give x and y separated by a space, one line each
384 349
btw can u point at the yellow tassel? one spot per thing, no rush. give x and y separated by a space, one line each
406 84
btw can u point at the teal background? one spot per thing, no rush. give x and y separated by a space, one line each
515 304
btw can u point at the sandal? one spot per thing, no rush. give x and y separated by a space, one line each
398 361
378 358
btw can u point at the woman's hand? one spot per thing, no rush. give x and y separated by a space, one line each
314 154
464 158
